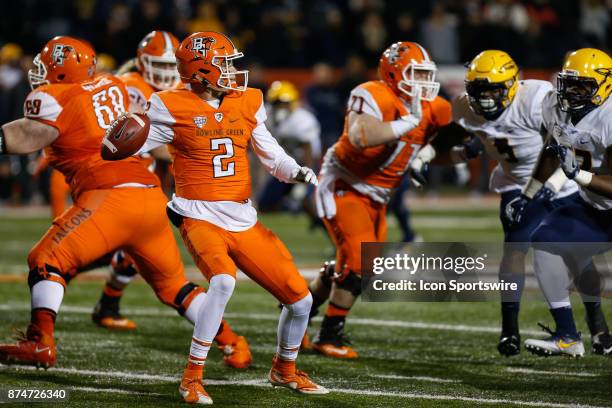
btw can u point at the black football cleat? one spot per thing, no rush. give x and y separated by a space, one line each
602 344
509 344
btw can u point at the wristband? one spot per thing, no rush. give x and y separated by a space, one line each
402 126
532 187
426 154
583 178
2 142
556 181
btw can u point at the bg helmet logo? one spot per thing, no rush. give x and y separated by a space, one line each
200 45
394 54
60 53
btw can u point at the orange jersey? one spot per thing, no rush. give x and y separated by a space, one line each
208 145
82 112
385 165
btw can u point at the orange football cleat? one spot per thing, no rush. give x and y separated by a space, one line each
237 353
111 319
284 374
115 322
192 389
334 350
32 348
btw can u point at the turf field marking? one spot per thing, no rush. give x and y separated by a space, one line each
154 312
530 371
263 383
414 377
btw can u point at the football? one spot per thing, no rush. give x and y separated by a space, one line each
125 136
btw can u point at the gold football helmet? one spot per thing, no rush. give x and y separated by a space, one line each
282 91
491 82
585 81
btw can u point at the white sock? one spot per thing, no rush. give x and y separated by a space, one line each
191 313
292 325
209 316
47 294
553 277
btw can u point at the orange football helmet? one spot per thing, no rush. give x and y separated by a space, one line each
63 60
208 58
156 61
406 66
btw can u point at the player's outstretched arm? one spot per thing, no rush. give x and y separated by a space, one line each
367 131
451 144
23 136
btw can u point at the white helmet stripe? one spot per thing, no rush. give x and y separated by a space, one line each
167 42
425 54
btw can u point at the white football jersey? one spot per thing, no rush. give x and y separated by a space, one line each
300 127
590 138
513 139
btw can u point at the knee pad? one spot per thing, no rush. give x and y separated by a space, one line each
351 283
184 297
48 272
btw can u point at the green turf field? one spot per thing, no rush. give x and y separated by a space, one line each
412 354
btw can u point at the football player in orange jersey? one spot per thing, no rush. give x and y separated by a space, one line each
116 205
387 122
156 70
208 127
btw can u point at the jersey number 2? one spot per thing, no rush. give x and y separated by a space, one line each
218 170
104 113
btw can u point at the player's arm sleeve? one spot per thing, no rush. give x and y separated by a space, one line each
39 128
271 155
160 132
362 101
43 107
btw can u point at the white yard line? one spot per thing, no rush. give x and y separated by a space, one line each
415 378
263 383
153 312
540 372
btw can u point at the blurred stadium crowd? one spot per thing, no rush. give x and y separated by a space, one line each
336 42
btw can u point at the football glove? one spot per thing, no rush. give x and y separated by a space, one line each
515 209
419 165
305 175
566 156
